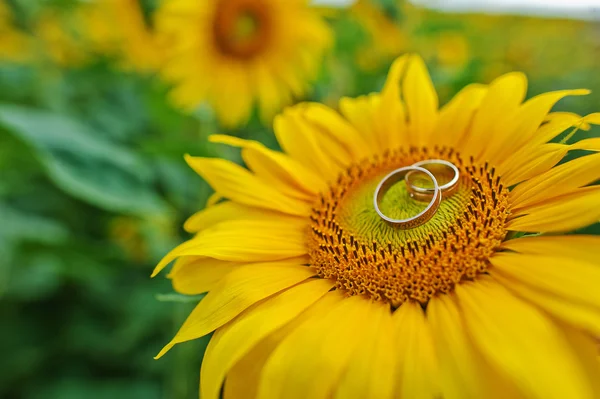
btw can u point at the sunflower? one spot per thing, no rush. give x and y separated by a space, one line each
15 45
233 53
311 295
57 39
452 49
385 38
118 28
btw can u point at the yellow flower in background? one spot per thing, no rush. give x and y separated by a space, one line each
118 28
386 39
15 46
110 28
234 53
311 295
452 49
137 237
127 234
57 39
96 26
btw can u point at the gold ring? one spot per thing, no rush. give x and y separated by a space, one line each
392 178
426 194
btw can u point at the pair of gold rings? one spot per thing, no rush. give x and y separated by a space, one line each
433 195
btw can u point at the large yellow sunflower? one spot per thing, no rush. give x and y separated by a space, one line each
233 53
311 295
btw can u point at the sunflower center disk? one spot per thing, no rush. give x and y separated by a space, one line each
241 27
365 256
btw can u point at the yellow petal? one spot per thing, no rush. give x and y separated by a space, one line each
558 181
233 101
311 359
463 371
521 342
232 341
238 184
189 95
287 181
239 290
392 112
385 121
502 99
377 117
391 89
244 241
568 212
193 275
359 113
417 374
586 348
300 140
213 199
459 375
371 371
592 144
337 154
331 123
520 128
456 116
533 162
290 78
575 247
276 169
244 378
227 211
557 122
573 280
593 118
581 316
421 100
270 96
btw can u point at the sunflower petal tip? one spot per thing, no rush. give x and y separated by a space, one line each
415 57
592 118
401 59
156 270
579 92
194 162
227 140
164 350
162 264
187 226
512 76
277 119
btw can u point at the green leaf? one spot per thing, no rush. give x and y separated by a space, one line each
37 276
18 225
83 164
179 298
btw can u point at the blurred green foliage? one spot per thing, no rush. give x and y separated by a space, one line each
94 189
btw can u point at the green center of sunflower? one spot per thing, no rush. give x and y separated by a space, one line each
365 256
241 27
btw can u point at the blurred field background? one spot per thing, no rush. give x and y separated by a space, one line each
94 189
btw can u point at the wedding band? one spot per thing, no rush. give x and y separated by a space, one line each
394 177
426 194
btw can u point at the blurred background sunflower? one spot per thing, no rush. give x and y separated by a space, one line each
235 53
100 99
